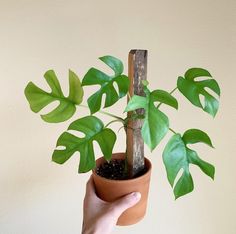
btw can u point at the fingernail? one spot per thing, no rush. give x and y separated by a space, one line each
136 195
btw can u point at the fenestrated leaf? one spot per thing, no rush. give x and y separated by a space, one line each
115 64
155 126
96 77
192 89
94 130
192 73
76 92
193 136
177 156
174 157
184 185
156 123
164 97
206 167
39 98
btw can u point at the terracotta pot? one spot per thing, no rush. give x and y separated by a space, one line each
110 190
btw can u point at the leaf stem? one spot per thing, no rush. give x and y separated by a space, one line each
106 113
114 116
172 130
113 121
128 94
172 91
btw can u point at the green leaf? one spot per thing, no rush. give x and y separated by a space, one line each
136 102
145 82
184 185
96 77
164 97
177 157
156 123
76 92
39 98
193 136
192 73
206 167
174 157
191 89
93 128
155 126
115 64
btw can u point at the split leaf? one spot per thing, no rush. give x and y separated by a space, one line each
97 77
94 130
177 157
192 89
38 98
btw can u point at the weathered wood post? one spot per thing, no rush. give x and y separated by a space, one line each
137 71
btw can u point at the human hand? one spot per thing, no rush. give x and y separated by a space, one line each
100 217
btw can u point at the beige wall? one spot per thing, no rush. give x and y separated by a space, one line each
40 197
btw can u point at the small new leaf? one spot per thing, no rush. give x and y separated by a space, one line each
145 82
39 98
94 129
156 123
192 89
96 77
136 102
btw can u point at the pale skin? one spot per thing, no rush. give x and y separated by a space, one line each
100 217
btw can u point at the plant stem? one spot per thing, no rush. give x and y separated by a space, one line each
128 95
172 91
114 116
106 113
172 130
126 172
113 121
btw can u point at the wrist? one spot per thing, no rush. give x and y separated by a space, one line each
90 229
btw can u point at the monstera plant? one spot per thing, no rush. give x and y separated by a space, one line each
177 154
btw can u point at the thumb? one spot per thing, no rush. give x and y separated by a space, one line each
126 202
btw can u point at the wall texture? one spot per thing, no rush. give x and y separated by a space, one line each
38 196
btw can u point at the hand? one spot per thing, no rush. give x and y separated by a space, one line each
100 217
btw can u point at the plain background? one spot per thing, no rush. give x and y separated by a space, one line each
38 196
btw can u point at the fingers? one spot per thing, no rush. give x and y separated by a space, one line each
91 194
126 202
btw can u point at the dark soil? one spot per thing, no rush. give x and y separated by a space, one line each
115 170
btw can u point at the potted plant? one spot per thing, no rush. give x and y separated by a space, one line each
116 174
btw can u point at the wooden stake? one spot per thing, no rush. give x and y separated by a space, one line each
135 146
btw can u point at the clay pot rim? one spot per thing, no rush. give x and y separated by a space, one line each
147 163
